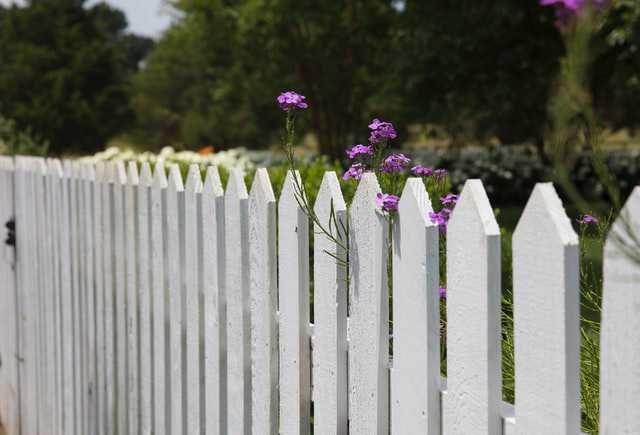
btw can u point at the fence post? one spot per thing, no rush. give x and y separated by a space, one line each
620 339
293 267
329 354
237 291
415 375
212 271
9 385
474 393
369 313
546 317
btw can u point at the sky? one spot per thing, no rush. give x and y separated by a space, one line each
145 17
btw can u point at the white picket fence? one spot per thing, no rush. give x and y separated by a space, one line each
135 304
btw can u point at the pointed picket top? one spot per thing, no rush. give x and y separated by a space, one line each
261 189
369 319
546 313
120 176
110 172
175 178
365 195
194 179
620 337
40 165
67 167
474 204
235 185
160 176
212 183
415 200
146 177
90 171
289 195
473 399
545 205
329 196
132 174
55 167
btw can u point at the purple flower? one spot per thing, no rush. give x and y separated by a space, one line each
422 171
354 172
381 130
440 173
449 200
291 100
567 9
394 163
588 219
443 292
441 219
359 150
387 202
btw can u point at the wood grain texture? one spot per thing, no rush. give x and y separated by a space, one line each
415 376
330 310
473 316
620 339
293 269
369 316
546 317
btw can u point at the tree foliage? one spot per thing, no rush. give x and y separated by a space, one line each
64 71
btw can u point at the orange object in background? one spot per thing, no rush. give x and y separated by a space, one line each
205 151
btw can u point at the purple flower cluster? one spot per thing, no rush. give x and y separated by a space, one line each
381 130
441 218
387 202
354 172
588 219
443 292
360 151
394 163
291 100
422 171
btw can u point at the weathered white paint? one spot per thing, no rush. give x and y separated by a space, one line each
546 317
192 192
130 227
415 375
56 174
159 286
9 393
330 311
108 228
293 268
211 267
174 204
369 313
473 317
119 238
98 240
264 300
620 339
144 297
237 292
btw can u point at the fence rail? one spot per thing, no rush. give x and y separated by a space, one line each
136 304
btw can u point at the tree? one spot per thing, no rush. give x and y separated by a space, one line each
68 80
480 68
215 75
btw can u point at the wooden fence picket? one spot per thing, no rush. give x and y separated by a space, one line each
415 375
144 297
546 317
620 337
159 287
369 313
211 267
9 386
191 295
135 304
264 301
330 310
474 394
294 340
131 296
174 205
237 292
